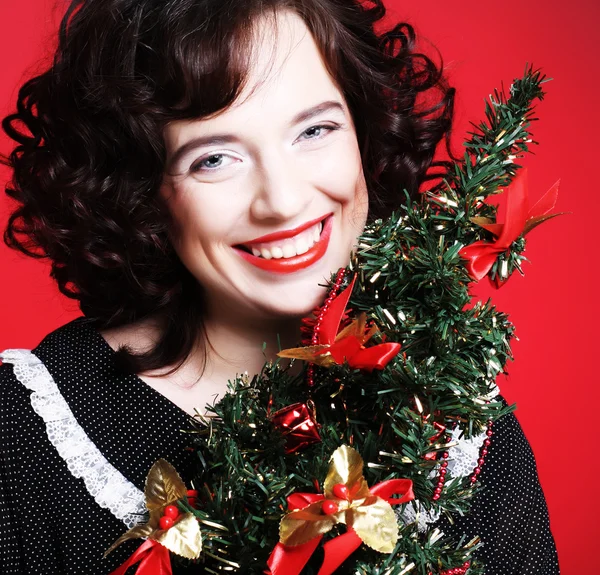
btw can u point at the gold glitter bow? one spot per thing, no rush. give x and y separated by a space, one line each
165 487
347 498
362 509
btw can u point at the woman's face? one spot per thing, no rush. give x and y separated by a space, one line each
268 197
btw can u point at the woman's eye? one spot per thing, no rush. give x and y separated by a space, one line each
319 131
214 162
209 163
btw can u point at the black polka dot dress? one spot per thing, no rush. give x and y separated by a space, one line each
50 523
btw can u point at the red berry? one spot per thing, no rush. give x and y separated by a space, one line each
171 511
166 522
329 507
340 491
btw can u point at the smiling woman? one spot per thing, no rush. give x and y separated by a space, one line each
290 174
195 171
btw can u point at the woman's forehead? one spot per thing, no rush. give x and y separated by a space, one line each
286 76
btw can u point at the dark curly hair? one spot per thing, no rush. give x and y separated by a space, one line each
89 163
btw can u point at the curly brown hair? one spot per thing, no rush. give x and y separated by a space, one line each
88 166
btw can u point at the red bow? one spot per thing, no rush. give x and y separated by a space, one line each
333 347
520 219
153 559
291 559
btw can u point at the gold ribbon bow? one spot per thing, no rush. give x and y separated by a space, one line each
165 487
347 498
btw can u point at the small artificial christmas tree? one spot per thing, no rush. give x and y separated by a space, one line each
346 466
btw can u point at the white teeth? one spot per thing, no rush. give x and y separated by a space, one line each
289 251
302 246
276 252
291 247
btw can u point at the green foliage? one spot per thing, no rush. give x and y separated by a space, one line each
413 284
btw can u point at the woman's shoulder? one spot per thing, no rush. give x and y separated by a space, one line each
118 412
67 344
510 450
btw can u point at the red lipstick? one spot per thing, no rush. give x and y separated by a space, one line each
296 263
285 234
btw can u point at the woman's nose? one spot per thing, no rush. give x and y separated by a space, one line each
281 192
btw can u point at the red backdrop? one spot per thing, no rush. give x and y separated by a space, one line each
553 379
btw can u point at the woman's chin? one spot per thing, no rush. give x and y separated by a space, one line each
293 305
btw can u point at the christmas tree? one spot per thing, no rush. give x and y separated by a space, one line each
348 464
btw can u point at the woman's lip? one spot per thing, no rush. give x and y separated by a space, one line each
296 263
285 234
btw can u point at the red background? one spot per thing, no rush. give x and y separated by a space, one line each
553 379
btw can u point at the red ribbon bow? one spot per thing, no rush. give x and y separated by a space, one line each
333 347
291 559
153 558
520 219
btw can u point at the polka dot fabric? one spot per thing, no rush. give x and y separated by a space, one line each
49 524
510 513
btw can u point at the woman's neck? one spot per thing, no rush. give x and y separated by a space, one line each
235 346
232 348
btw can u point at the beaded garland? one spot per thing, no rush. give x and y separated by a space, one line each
311 329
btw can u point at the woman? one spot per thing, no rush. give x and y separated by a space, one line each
194 171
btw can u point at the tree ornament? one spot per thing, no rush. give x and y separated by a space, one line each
192 496
166 522
164 488
297 423
349 344
366 512
171 511
520 220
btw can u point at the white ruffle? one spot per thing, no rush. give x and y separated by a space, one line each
462 461
109 488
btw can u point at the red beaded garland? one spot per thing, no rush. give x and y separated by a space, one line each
456 571
442 473
442 476
482 453
317 326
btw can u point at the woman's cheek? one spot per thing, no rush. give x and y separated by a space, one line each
338 172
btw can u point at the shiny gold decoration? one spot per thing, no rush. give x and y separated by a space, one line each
370 516
165 487
183 538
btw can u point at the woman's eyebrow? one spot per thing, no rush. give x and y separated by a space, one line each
220 139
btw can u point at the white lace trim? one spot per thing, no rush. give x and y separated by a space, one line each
106 485
462 461
113 491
